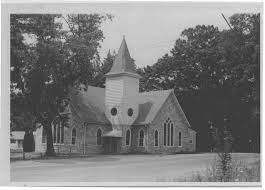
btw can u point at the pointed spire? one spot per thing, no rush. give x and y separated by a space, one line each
123 63
108 52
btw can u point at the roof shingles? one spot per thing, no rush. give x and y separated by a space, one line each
123 63
89 105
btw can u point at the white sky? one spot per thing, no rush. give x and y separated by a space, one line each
151 30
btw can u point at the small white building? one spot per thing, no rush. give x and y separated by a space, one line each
16 140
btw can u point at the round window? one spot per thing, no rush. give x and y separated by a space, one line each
130 112
113 111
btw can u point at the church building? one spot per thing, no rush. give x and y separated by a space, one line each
120 119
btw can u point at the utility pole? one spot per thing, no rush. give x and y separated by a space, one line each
226 21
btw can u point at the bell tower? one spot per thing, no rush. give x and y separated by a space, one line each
122 88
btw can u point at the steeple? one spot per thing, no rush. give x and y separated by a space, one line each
123 63
122 89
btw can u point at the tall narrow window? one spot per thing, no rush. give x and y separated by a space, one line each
58 134
180 139
168 134
99 137
156 138
74 136
128 137
165 134
54 133
172 135
62 134
141 138
43 135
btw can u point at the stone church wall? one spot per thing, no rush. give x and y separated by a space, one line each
88 145
89 133
134 144
169 110
86 141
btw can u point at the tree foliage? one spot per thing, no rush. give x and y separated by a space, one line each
47 58
214 73
104 69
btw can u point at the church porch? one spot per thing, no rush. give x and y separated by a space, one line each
112 142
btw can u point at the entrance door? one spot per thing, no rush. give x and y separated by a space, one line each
107 144
111 145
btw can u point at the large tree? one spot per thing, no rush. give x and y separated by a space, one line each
214 73
56 57
104 68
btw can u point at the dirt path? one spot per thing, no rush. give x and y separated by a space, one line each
122 168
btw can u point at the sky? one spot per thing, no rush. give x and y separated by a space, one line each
151 30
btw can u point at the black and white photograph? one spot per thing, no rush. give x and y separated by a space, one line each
133 93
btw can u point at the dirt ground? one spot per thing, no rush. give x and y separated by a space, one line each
116 168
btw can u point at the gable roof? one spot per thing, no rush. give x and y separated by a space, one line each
181 112
89 105
123 63
150 104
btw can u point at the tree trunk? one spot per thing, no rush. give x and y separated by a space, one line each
50 148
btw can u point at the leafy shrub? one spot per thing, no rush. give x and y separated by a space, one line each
238 172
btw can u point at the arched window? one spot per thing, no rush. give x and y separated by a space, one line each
99 136
54 133
165 134
58 133
141 138
128 137
191 137
172 135
156 138
168 133
62 134
43 135
180 143
74 136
